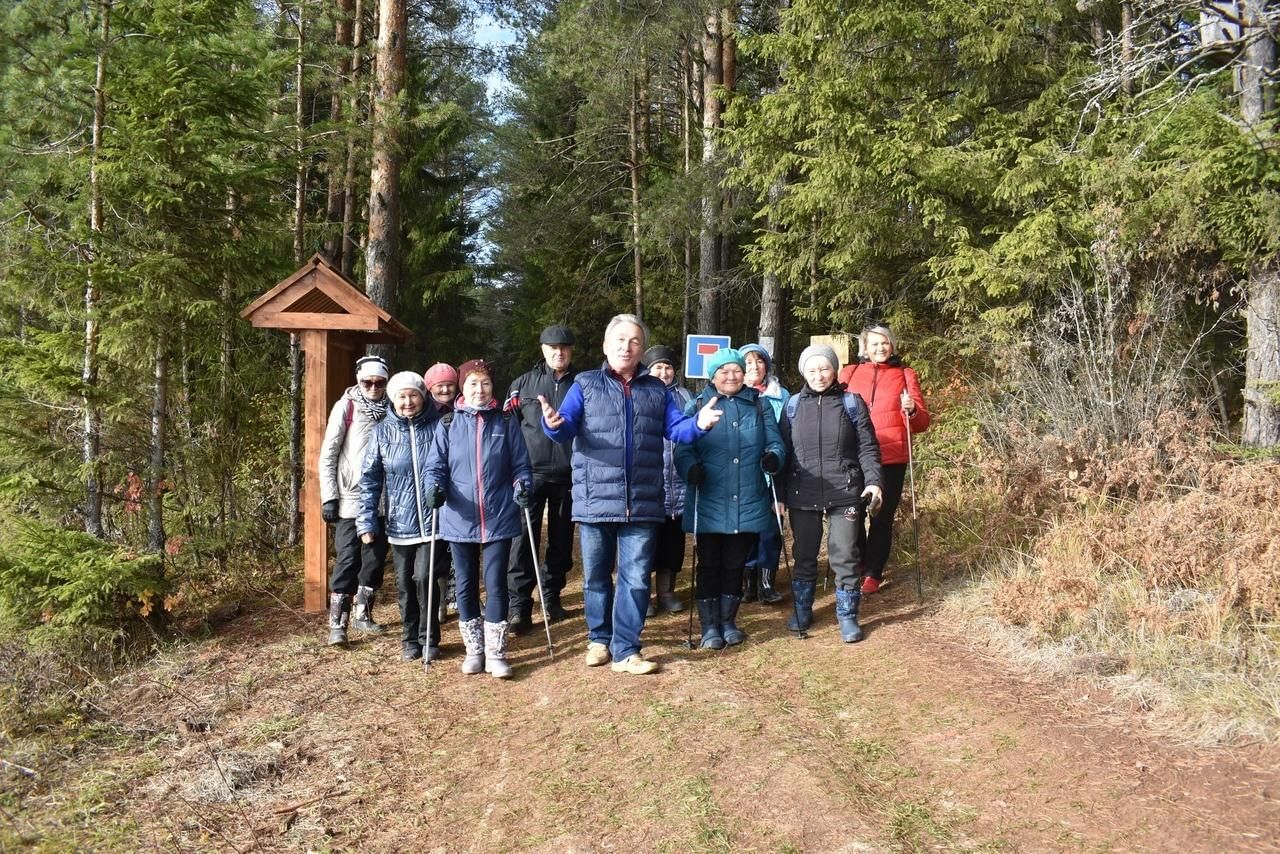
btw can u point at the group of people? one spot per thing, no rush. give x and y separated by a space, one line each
457 482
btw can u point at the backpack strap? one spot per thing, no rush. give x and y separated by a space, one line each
349 414
790 408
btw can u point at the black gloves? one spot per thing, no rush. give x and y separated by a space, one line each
329 511
696 475
435 497
769 462
522 496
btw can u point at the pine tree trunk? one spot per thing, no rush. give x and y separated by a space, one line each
382 252
300 140
708 244
89 373
156 485
335 160
686 86
633 167
299 248
349 245
1262 309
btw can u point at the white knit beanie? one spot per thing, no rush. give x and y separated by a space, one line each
404 380
821 350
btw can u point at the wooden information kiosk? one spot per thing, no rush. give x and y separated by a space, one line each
334 320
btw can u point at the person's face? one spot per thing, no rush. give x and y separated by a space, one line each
819 374
728 378
444 392
374 388
756 371
558 356
477 390
878 348
663 371
623 347
408 402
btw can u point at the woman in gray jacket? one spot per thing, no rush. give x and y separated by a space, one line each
357 567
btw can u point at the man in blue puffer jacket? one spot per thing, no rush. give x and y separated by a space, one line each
394 463
616 418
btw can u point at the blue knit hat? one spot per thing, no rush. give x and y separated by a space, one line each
722 357
762 353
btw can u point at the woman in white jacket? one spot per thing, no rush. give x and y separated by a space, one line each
357 566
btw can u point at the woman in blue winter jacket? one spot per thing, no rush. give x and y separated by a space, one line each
479 471
394 467
762 567
728 503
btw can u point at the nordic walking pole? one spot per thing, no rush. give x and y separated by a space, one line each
431 584
693 582
537 573
915 520
791 573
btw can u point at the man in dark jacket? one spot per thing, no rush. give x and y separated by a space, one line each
552 483
616 417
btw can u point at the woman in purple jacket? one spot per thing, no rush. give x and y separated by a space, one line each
478 470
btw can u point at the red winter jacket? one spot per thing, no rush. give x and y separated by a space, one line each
880 386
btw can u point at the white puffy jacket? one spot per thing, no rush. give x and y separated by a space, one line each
342 453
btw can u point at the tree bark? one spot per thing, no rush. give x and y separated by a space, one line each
686 132
634 149
1261 426
92 446
335 160
349 244
299 249
708 245
156 485
382 251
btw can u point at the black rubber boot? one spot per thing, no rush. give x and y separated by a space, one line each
750 584
362 619
555 611
847 602
802 594
339 611
709 616
728 613
520 620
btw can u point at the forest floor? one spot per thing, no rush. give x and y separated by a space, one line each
259 737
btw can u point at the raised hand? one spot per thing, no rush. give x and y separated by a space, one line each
709 416
550 416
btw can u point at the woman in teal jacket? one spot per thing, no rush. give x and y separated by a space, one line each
728 503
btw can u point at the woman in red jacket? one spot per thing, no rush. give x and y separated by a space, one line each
890 390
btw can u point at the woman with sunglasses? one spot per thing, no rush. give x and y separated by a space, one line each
891 390
357 566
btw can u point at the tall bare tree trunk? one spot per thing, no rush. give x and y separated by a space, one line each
634 149
1262 308
771 297
708 243
1126 47
382 252
335 159
89 373
686 132
349 244
299 248
156 485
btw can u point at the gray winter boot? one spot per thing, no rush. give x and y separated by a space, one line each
362 618
472 632
728 613
339 611
495 650
802 597
665 586
847 602
709 616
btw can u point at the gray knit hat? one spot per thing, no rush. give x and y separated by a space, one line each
819 350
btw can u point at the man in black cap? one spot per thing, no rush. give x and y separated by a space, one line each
552 483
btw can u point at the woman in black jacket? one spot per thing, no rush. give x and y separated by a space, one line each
832 471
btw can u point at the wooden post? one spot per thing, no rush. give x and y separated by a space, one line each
315 535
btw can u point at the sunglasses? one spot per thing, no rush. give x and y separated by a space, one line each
373 383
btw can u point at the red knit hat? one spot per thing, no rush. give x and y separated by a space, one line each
440 373
473 366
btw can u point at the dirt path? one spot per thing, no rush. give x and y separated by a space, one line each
263 738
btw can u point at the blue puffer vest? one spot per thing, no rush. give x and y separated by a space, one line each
395 463
477 457
617 454
734 498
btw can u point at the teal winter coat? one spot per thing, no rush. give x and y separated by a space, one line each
734 498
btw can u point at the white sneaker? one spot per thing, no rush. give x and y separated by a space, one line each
597 654
635 665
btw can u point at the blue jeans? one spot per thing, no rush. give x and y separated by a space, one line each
466 571
616 620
